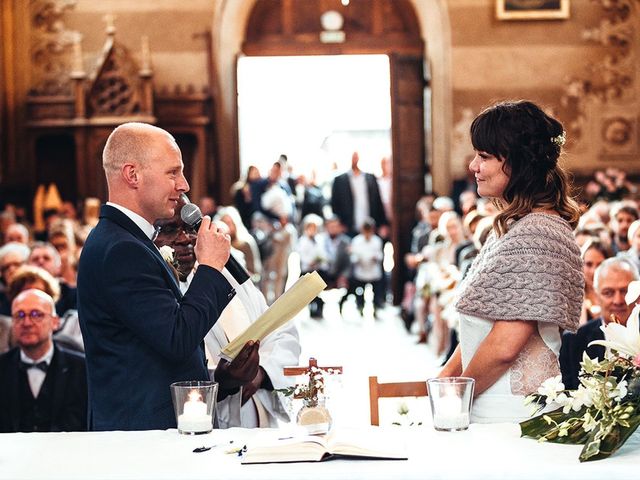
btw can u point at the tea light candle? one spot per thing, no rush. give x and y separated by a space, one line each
194 416
449 415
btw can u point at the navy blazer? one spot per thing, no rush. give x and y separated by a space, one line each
573 345
140 334
342 201
66 380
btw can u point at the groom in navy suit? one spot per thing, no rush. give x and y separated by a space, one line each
140 333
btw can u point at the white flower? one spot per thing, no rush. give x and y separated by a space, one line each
623 339
167 253
633 292
589 422
583 396
551 387
619 392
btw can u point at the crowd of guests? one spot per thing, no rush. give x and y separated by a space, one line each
271 217
338 230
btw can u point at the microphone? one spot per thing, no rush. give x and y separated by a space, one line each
192 216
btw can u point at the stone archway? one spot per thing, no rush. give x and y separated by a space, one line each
431 17
228 27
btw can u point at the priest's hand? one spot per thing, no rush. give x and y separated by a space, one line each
261 380
242 370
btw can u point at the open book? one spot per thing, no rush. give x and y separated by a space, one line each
287 306
364 443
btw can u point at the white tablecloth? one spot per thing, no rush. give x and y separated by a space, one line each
483 451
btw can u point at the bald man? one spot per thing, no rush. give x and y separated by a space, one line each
610 281
44 386
140 332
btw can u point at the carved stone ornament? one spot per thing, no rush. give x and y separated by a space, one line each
51 47
611 79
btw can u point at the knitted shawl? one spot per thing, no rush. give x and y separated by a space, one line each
532 272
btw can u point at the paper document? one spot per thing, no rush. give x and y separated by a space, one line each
287 306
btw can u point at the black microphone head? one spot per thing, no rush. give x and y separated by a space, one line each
191 214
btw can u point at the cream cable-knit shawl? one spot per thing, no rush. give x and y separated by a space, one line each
533 272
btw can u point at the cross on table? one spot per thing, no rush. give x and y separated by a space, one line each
291 371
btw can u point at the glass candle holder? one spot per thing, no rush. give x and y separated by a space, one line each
194 405
451 399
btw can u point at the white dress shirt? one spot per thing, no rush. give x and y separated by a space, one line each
360 192
148 229
35 375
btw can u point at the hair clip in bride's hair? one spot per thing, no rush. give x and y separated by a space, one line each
560 139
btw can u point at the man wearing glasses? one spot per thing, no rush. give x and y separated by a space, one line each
247 385
44 387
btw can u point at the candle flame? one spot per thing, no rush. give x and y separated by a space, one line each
194 396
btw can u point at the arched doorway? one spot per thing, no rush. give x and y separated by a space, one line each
396 28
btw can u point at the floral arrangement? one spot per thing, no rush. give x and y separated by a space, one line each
313 390
605 409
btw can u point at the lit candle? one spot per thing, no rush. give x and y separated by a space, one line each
146 53
448 413
194 416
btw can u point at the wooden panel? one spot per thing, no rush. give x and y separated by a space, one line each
409 155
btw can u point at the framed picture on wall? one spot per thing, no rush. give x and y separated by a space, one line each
532 9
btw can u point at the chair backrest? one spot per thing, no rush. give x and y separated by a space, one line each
391 390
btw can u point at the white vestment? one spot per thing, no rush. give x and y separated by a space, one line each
277 350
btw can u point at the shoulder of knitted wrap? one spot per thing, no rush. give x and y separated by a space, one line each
533 272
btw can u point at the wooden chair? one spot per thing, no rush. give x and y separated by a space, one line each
392 390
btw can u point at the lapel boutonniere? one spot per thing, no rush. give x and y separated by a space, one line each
168 254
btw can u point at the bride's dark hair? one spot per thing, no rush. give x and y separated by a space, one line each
528 142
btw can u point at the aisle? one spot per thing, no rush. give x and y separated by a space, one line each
364 346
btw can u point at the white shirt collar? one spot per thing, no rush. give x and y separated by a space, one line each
148 229
45 358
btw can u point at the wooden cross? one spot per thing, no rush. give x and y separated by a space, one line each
292 371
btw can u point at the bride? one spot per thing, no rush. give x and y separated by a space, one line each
526 285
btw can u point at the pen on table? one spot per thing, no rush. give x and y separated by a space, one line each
204 449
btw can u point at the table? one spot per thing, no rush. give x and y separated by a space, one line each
484 451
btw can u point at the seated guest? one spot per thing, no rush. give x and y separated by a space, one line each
633 253
63 238
593 253
256 404
242 240
17 232
611 280
44 387
68 333
12 256
46 256
623 214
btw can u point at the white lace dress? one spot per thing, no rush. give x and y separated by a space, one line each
538 360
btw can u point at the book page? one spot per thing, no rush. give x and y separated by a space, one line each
268 449
287 306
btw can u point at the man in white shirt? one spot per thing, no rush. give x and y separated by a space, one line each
255 404
44 387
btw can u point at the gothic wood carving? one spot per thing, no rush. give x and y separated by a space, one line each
51 45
